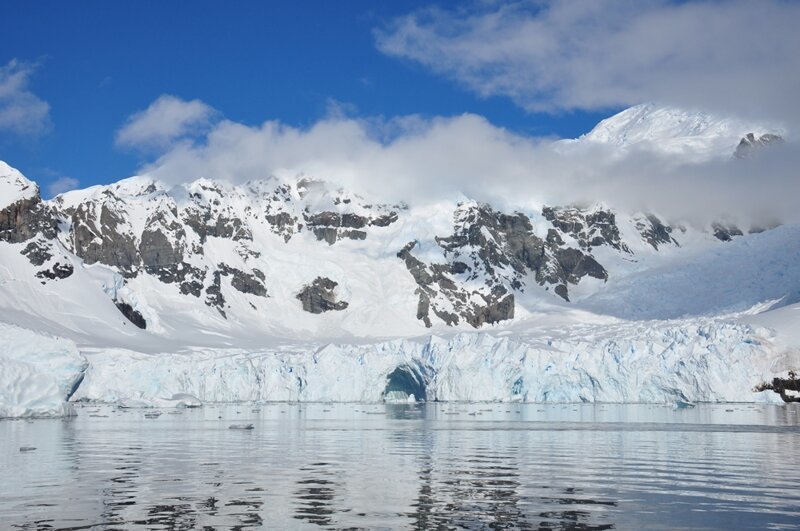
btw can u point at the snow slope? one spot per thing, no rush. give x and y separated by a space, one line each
691 134
14 186
735 277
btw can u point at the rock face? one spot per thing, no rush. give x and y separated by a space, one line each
492 254
750 144
725 232
592 228
320 296
653 231
26 218
132 315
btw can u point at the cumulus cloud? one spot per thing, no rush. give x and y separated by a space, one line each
21 111
167 120
737 55
61 185
420 160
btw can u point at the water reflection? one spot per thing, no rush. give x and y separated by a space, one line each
434 466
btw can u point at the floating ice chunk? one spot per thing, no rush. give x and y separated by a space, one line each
241 427
768 397
27 448
185 400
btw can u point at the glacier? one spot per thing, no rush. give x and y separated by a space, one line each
38 373
705 360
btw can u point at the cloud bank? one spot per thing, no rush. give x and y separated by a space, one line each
734 56
163 122
423 160
21 111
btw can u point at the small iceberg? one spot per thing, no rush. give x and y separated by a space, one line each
185 400
27 448
680 404
241 427
152 414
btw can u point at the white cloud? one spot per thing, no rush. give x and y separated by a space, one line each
421 160
21 111
740 56
167 120
61 185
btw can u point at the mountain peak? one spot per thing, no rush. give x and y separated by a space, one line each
14 186
674 130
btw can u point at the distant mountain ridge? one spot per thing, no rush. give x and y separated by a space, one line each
211 245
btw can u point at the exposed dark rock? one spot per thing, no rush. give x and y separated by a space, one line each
561 291
38 252
788 388
575 265
328 234
58 271
749 144
590 228
333 226
214 296
191 287
503 251
353 221
385 220
156 250
282 223
319 296
494 311
725 233
245 282
103 240
26 218
654 231
132 315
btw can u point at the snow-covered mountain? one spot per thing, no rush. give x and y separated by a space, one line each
694 135
300 290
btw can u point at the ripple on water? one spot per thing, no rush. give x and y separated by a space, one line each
406 466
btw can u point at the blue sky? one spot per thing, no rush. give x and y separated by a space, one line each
92 91
96 63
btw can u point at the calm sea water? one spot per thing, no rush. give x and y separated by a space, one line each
461 466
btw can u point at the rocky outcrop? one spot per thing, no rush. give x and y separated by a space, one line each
250 283
38 252
725 232
333 226
489 256
653 231
750 144
590 227
56 271
26 218
131 315
105 238
319 296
